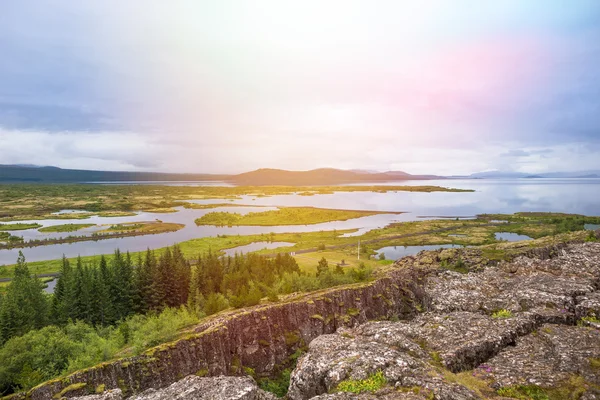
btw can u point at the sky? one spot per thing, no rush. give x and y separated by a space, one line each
437 87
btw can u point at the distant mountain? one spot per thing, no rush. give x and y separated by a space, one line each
498 175
516 175
37 174
265 176
322 176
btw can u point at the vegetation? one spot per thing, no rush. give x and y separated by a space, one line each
149 228
26 201
501 314
65 228
336 246
124 305
282 216
525 392
18 226
371 384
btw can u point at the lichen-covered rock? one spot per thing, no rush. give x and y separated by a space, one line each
549 358
196 388
509 326
350 355
115 394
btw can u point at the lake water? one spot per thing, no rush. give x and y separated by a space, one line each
490 196
592 227
510 237
396 252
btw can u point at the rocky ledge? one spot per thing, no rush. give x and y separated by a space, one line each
523 329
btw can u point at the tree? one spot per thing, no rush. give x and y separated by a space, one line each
61 301
323 266
25 306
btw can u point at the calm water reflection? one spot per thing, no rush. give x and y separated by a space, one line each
491 196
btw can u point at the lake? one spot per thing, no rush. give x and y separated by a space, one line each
490 196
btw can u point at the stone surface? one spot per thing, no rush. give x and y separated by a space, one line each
461 348
196 388
448 341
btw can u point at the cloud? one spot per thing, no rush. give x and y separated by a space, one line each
228 86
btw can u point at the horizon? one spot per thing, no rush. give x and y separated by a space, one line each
228 88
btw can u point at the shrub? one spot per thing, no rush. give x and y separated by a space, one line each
371 384
502 313
523 392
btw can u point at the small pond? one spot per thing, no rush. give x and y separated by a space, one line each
591 227
396 252
511 237
51 285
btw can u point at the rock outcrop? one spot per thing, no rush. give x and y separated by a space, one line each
507 330
196 388
450 325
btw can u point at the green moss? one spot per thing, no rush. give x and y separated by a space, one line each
353 312
202 372
371 384
523 392
264 343
100 388
70 388
502 313
436 359
292 338
317 316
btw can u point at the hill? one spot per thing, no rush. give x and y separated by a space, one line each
265 176
322 176
34 174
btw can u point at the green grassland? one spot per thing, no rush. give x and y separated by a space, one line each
26 201
283 216
477 232
18 226
65 228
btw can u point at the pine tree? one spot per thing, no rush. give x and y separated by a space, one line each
25 306
323 267
59 309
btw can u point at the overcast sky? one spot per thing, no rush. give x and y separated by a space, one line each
446 87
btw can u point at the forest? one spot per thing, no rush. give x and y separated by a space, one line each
123 305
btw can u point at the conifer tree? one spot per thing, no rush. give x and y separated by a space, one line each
25 306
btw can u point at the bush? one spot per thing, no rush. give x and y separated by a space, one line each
371 384
503 313
145 331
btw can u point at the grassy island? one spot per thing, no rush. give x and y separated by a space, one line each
283 216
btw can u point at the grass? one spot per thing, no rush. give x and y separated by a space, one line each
397 234
523 392
18 226
27 201
371 384
65 228
502 314
282 216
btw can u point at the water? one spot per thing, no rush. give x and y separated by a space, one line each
591 227
510 237
490 196
255 247
51 286
396 252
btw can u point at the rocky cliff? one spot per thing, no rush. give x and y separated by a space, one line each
492 328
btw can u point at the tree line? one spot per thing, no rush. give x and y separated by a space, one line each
106 292
102 307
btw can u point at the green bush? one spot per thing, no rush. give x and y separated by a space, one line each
503 313
371 384
522 392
